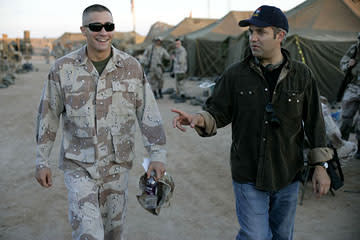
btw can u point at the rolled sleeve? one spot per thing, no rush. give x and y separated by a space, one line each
210 125
320 154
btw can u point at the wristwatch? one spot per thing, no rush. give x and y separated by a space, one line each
323 164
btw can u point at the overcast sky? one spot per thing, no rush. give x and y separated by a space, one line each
49 18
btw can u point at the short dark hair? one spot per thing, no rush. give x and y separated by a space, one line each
94 8
276 30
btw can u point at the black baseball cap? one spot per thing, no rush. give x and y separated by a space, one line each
266 16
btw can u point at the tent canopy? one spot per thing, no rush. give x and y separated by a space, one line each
325 20
320 33
206 49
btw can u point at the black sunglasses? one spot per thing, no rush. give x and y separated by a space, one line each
96 27
274 120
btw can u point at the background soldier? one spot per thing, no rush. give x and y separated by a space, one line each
351 101
180 69
154 56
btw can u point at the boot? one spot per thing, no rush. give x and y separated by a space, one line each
155 95
160 93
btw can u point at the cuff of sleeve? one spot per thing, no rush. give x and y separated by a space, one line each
158 156
41 162
320 154
210 125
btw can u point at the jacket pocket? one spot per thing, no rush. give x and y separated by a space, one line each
124 93
290 104
123 144
246 97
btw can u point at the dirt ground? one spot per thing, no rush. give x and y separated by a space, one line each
203 204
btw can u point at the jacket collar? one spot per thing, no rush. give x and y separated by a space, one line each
250 59
117 60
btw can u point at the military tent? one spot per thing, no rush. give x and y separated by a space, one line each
207 47
186 26
320 33
155 31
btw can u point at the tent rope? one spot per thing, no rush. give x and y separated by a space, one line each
299 49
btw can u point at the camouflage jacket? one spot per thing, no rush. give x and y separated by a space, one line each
98 112
346 58
180 61
154 60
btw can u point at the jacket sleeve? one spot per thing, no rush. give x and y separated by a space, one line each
150 122
48 117
314 124
165 54
219 104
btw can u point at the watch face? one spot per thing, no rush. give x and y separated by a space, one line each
326 165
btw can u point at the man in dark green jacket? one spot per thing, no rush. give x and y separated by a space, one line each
271 102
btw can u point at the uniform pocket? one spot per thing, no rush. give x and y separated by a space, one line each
123 144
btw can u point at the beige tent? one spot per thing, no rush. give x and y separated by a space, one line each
187 25
156 30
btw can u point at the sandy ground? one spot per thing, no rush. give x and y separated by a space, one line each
203 204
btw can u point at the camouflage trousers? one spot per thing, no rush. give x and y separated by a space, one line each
97 207
180 83
350 106
156 80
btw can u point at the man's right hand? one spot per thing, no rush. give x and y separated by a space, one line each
184 118
43 176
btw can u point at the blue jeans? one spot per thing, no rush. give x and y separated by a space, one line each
265 215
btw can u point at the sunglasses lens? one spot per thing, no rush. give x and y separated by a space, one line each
269 108
109 27
275 121
95 27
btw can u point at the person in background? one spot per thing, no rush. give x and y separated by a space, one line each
272 101
154 56
179 70
351 99
100 93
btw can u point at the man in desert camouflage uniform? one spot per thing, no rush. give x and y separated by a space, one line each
351 99
58 50
180 69
100 92
154 56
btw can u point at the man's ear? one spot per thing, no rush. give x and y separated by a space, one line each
83 30
281 35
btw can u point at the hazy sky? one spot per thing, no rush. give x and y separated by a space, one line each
49 18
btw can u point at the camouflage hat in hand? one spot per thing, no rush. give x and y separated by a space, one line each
153 203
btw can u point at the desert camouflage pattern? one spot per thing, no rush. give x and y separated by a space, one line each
165 189
180 61
97 208
351 99
155 74
345 60
98 114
